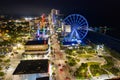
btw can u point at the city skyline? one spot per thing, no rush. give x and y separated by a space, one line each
66 48
98 13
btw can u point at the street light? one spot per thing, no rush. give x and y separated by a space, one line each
28 18
18 45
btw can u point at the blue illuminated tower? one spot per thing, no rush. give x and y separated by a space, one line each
43 33
38 32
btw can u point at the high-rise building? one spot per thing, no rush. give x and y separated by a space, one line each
54 14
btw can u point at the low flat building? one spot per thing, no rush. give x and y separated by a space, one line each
32 70
43 78
36 48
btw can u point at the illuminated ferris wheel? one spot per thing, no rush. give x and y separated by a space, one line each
79 26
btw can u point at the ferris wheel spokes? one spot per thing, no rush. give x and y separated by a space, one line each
79 26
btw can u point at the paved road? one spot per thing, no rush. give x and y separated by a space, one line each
62 70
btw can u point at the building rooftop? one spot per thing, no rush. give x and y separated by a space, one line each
43 78
37 42
69 43
115 78
31 67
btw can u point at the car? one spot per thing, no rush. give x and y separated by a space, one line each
67 78
59 64
61 69
63 66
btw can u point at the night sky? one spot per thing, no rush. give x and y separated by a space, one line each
97 12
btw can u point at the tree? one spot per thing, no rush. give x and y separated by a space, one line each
2 73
